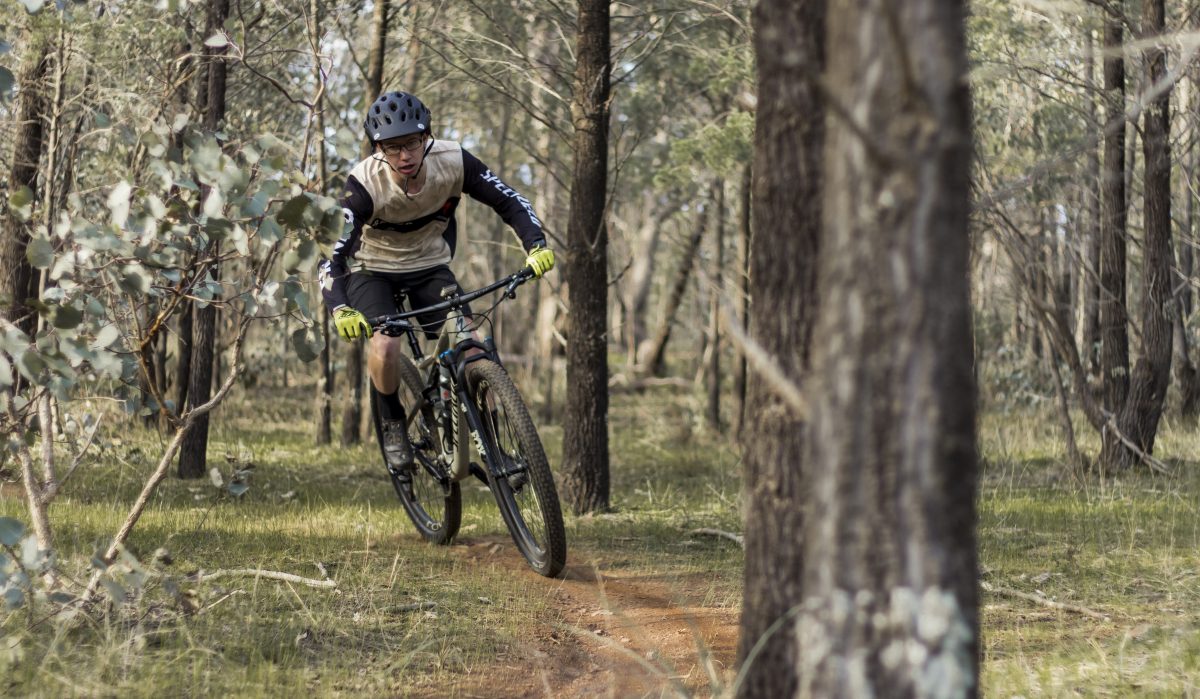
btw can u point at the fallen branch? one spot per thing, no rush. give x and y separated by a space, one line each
1043 601
414 607
1137 451
735 538
268 574
622 383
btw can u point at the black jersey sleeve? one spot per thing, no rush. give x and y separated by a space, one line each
357 207
514 209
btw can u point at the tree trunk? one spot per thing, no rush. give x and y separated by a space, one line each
713 414
352 414
325 390
1114 339
657 353
641 275
1139 415
743 296
193 452
585 428
183 369
1091 230
889 545
789 42
18 283
1185 372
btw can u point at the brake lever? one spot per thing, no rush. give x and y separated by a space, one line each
510 292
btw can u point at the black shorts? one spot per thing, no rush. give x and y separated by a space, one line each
377 294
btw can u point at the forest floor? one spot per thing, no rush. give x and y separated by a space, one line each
1091 582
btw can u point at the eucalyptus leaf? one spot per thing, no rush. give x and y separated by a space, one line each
40 252
118 202
292 213
67 317
11 531
14 598
134 279
6 83
20 201
306 349
217 41
31 555
107 335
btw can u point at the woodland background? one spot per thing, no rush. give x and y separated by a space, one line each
802 247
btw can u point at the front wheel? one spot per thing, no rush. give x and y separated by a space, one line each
518 471
430 498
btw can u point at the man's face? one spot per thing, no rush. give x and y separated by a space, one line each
404 153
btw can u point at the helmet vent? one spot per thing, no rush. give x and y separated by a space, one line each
388 119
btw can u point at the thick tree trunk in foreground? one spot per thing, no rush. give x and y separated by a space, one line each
193 452
585 429
789 132
890 599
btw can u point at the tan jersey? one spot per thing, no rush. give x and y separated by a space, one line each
404 232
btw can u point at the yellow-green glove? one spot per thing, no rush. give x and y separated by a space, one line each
540 260
351 324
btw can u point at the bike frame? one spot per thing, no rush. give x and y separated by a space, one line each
454 353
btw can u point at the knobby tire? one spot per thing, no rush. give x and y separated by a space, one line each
432 500
531 510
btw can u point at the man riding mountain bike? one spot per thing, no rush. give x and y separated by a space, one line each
400 204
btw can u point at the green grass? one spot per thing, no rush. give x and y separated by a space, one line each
310 505
1127 548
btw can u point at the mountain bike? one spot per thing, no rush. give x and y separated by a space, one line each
459 396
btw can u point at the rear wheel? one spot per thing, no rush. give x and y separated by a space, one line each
518 472
430 498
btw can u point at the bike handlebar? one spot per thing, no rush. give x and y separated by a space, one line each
509 284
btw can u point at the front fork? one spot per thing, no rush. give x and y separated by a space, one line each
456 360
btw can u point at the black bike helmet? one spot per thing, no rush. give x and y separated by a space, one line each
396 114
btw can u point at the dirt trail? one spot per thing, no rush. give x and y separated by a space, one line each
612 634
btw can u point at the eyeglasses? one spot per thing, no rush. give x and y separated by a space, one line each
407 147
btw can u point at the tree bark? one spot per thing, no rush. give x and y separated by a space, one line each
789 43
193 452
1114 339
1139 415
743 288
18 283
325 389
585 428
890 599
1091 229
713 413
